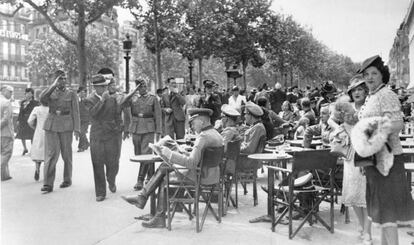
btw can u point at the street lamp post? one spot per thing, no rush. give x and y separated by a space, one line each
127 49
233 72
190 68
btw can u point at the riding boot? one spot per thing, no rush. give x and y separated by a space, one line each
143 169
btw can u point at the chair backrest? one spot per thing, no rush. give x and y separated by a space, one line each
233 150
261 145
313 160
212 157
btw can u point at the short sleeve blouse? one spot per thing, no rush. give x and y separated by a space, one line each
383 102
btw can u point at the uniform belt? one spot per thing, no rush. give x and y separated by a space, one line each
144 115
60 113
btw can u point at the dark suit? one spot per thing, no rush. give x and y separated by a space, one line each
105 137
62 120
213 103
276 99
84 124
173 121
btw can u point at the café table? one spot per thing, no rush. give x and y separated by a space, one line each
300 137
271 159
299 143
148 159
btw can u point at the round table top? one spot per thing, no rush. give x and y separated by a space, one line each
300 137
300 142
285 149
269 156
146 158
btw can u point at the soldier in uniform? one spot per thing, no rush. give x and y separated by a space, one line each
172 104
146 122
211 100
207 136
253 114
229 117
62 120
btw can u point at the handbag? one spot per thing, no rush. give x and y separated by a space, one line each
364 161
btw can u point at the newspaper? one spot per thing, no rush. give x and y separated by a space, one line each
166 141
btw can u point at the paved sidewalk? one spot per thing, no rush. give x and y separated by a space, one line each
72 216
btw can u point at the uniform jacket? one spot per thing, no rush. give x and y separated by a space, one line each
7 129
63 110
145 114
209 137
320 129
213 103
106 117
176 102
251 138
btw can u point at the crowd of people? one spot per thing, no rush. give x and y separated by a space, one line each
216 117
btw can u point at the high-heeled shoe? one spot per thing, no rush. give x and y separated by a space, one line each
36 175
25 151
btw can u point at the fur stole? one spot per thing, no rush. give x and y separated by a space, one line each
369 136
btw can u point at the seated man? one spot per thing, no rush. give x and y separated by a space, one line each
206 137
253 114
229 117
322 129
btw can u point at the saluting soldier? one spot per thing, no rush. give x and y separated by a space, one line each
146 122
62 120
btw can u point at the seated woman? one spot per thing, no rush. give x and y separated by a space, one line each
302 124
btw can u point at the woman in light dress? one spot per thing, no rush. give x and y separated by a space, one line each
354 182
36 121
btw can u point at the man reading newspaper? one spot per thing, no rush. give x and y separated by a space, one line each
207 136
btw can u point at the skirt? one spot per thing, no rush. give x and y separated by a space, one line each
24 131
389 200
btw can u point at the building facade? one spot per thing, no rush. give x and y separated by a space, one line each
398 63
409 28
14 41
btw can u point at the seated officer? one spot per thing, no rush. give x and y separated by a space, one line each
322 129
253 114
229 117
207 136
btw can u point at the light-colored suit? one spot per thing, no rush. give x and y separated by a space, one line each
7 135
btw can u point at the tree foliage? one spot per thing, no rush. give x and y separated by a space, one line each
51 52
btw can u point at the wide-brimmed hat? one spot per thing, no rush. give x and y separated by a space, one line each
355 82
99 80
254 109
196 112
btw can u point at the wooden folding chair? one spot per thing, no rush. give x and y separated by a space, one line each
187 191
310 160
244 176
231 156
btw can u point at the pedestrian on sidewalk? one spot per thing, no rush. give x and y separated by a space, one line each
24 131
7 130
105 136
36 121
61 122
145 125
84 120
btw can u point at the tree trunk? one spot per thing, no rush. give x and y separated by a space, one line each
157 47
200 72
81 49
244 66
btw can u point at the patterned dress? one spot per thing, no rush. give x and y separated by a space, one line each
353 185
388 197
